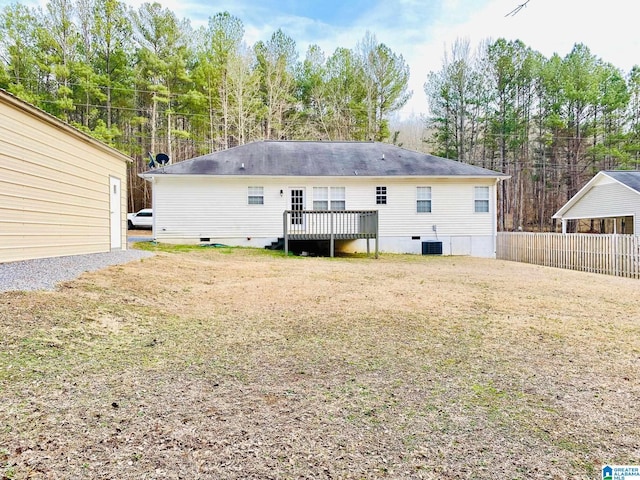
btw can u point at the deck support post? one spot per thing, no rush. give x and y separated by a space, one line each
377 232
286 234
323 225
332 241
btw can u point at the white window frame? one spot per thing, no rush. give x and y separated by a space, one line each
255 195
338 198
329 198
321 198
481 197
423 195
381 195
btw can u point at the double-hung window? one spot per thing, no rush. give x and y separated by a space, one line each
424 200
481 200
381 195
329 198
256 196
321 198
338 198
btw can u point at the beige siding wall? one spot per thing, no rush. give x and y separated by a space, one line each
190 208
54 187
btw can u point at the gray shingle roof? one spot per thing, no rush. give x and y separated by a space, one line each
629 178
305 158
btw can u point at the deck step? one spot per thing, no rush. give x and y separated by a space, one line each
277 245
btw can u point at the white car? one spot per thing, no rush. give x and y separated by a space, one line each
141 219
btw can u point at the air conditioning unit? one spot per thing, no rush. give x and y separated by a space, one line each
432 248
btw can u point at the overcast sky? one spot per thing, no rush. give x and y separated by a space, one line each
421 31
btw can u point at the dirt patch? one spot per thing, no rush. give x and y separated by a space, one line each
233 363
144 232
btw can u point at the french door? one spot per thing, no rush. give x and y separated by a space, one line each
296 196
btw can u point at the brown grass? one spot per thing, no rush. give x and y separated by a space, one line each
233 363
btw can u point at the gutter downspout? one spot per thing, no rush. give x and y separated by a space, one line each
153 207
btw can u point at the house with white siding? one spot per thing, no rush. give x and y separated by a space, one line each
255 194
611 198
61 191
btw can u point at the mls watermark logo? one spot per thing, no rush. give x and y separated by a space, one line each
621 472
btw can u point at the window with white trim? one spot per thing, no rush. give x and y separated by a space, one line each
321 198
381 195
329 198
424 199
481 200
338 198
256 196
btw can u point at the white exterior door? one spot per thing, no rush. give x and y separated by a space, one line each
115 213
296 205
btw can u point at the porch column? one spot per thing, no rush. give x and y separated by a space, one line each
564 225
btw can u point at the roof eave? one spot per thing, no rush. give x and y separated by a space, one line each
149 175
622 183
34 111
582 192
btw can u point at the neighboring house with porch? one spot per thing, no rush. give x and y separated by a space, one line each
255 194
61 191
611 200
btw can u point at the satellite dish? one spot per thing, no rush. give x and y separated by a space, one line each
162 158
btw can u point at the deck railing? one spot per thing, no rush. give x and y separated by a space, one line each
330 225
614 254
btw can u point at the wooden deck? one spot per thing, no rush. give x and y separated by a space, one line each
330 225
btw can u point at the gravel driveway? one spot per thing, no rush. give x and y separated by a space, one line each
45 273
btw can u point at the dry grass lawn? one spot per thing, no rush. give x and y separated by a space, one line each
243 364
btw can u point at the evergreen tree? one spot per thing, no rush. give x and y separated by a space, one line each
385 78
277 63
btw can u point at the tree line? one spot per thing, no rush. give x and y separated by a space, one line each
143 80
549 123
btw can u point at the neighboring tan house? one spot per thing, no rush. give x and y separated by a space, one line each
61 191
254 194
611 198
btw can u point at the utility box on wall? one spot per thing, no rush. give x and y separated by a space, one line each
432 248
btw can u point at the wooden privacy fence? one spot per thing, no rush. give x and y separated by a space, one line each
617 255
